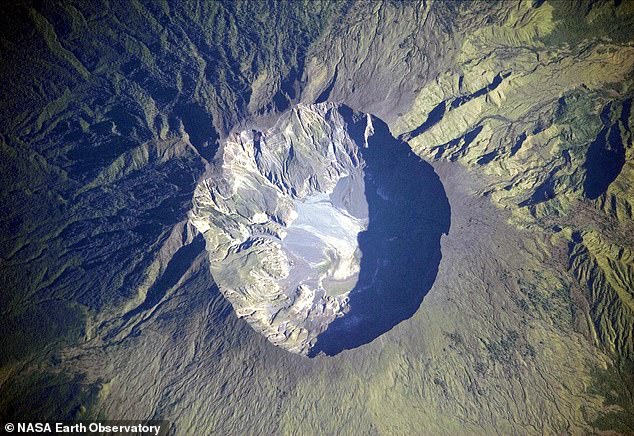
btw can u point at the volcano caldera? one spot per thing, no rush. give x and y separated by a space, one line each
323 231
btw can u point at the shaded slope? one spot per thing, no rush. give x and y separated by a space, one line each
400 250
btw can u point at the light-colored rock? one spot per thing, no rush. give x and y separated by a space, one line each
281 211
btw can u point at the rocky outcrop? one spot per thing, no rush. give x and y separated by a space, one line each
281 212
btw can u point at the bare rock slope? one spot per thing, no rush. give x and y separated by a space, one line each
281 213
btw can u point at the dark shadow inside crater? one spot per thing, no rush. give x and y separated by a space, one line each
408 213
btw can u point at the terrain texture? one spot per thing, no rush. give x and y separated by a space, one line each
281 215
114 115
323 217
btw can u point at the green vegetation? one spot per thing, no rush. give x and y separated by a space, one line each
112 110
64 396
613 21
615 384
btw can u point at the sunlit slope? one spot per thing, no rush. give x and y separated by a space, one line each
111 112
546 117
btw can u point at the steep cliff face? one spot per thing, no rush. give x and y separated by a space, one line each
114 136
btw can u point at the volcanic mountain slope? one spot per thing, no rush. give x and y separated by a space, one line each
111 113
